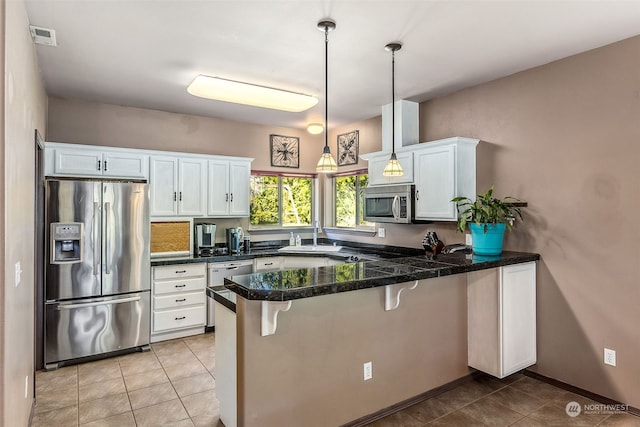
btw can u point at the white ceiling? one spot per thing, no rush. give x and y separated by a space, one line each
144 53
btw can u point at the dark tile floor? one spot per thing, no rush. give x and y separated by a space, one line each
517 400
174 384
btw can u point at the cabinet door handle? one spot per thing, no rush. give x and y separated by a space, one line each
174 196
181 286
232 197
99 164
181 318
417 194
181 196
226 197
105 165
181 300
268 263
180 271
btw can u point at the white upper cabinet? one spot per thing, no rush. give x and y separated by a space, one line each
178 186
440 171
192 187
377 162
435 183
228 190
71 160
443 170
239 185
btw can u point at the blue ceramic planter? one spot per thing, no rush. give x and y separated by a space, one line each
489 243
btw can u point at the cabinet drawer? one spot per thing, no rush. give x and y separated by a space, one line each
178 318
267 264
180 270
184 285
178 300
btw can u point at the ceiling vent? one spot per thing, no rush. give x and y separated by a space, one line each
43 35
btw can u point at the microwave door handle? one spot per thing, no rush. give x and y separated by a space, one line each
395 207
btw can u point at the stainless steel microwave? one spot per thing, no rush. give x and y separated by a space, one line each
390 203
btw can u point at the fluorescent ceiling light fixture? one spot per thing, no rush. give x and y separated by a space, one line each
248 94
315 128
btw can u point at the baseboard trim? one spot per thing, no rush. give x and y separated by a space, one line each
582 392
367 419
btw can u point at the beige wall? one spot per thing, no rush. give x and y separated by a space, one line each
310 370
565 137
3 40
25 110
81 122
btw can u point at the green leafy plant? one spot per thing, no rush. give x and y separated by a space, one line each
487 209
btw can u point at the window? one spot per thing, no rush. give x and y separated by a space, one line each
348 196
281 200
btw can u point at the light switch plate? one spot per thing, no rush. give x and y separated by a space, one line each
381 232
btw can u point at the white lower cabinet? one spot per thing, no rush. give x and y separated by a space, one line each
178 301
272 263
501 316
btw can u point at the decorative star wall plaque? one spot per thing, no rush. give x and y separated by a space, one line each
348 148
285 151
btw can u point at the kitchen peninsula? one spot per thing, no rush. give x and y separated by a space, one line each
302 336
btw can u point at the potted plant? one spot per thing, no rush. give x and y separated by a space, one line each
488 217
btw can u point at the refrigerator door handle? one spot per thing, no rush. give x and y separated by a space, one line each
96 207
106 237
94 304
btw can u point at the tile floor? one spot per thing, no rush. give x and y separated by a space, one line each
518 401
173 384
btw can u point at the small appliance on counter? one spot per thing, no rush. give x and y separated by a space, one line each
246 246
205 239
234 237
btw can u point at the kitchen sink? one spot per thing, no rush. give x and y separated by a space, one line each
321 249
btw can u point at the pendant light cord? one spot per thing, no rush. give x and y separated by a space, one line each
326 86
393 102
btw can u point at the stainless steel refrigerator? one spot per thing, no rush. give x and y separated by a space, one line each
97 272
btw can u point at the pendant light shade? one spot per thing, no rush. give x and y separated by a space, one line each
326 162
393 167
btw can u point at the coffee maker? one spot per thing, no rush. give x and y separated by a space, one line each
205 239
234 238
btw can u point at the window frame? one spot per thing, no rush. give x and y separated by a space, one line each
358 227
280 176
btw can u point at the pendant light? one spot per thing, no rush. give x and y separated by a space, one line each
393 167
326 162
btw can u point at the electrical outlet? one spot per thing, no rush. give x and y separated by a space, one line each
609 357
368 371
381 232
467 239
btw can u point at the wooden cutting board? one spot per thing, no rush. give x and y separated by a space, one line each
170 236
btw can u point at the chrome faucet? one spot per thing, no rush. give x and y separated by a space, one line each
316 227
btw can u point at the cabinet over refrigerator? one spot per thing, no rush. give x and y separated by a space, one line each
97 272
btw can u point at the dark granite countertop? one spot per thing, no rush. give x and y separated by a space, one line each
349 250
309 282
223 296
